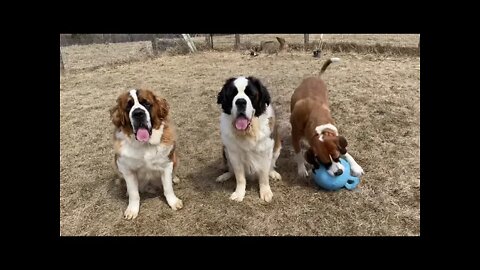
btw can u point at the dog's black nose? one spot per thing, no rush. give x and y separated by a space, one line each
339 172
138 113
241 103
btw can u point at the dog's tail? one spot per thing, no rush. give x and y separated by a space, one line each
327 63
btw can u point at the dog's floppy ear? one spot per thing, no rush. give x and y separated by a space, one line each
161 107
117 113
222 93
263 91
264 97
118 118
159 112
310 158
342 144
222 96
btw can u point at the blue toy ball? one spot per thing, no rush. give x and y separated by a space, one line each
328 182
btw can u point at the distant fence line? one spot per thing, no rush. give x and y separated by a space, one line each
236 44
160 43
85 39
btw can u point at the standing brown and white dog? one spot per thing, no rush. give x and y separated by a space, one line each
311 120
144 144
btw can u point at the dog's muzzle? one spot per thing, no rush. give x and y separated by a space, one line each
140 126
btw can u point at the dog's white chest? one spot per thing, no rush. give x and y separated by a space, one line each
252 156
253 153
157 158
152 157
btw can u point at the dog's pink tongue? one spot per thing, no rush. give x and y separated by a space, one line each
143 135
241 123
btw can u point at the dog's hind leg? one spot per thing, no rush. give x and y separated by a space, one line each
224 177
226 167
276 153
299 158
274 174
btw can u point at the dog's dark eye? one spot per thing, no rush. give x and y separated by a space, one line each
129 105
146 105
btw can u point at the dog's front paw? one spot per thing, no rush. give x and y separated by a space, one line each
356 170
275 175
131 212
175 204
237 196
266 193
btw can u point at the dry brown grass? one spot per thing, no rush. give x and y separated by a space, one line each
90 57
341 47
375 102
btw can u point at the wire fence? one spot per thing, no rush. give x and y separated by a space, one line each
105 49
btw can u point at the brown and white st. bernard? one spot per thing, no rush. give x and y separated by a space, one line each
311 120
144 144
251 143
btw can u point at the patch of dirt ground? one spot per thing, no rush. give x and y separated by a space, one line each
375 101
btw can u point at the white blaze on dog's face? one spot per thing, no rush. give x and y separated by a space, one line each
336 168
140 117
243 98
242 109
138 112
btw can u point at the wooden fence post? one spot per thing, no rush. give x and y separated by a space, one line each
154 44
237 41
209 40
321 43
305 41
62 67
190 43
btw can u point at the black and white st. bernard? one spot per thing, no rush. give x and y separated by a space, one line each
251 143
